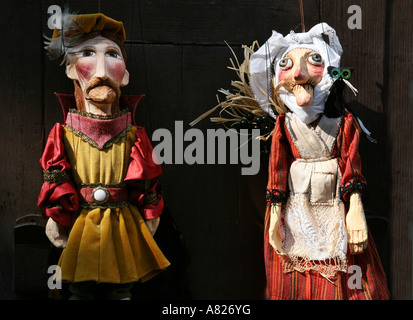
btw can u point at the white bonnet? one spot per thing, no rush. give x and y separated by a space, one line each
276 47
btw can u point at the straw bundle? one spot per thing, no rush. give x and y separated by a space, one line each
240 106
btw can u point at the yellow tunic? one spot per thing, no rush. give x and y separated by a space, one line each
107 244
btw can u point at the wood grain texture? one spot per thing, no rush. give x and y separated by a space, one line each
399 116
20 125
178 58
380 54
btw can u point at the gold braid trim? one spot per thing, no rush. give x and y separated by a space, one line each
108 144
93 205
55 176
99 116
108 185
150 198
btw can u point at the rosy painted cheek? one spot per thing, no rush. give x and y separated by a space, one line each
316 71
283 75
116 70
85 69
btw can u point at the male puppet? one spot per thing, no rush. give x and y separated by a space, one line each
315 227
99 192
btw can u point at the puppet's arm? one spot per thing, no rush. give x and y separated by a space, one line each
58 197
353 187
277 187
142 180
356 225
56 233
274 234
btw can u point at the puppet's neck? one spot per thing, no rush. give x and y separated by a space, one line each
67 101
103 110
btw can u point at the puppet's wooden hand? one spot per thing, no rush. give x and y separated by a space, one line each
356 225
56 233
153 224
274 237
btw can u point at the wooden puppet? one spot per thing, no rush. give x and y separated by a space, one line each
315 226
99 192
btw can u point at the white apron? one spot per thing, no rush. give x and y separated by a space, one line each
311 233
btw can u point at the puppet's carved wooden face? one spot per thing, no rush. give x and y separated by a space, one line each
99 68
303 70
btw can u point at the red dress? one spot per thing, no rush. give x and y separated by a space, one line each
295 285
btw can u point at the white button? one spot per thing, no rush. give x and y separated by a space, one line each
99 195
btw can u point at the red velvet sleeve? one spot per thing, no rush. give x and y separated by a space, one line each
58 197
279 163
349 159
142 177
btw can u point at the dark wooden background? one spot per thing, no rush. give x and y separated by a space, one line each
177 56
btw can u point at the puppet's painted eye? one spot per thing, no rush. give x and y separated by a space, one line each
346 74
315 59
286 63
87 53
335 73
114 54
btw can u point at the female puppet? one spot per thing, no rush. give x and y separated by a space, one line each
315 227
99 176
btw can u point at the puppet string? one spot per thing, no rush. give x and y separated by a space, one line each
302 16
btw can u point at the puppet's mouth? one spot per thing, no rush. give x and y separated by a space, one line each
102 91
303 92
101 94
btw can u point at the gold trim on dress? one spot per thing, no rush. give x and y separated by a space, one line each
108 144
55 176
99 116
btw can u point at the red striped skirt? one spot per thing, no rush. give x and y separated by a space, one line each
310 285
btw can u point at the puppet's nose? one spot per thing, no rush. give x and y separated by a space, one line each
100 66
300 74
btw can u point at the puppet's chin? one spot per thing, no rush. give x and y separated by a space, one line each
101 95
303 94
